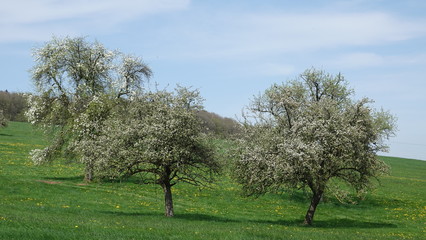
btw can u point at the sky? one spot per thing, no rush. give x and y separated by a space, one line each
232 50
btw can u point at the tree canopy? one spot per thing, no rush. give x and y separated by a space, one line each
70 75
159 135
309 132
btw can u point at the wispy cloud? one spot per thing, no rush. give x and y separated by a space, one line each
245 34
275 69
357 60
28 20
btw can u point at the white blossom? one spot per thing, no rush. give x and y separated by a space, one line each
75 92
306 133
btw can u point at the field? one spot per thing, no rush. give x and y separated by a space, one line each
52 202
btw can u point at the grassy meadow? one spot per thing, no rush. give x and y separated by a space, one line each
52 202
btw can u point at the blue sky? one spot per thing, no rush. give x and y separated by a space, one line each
233 50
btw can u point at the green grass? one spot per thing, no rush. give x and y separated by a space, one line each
52 202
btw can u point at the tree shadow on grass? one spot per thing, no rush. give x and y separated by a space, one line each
184 216
280 222
5 135
131 214
333 223
350 223
379 201
204 217
72 179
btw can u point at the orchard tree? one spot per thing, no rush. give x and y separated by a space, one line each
158 135
310 133
70 75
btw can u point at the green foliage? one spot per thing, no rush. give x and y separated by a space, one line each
13 105
52 202
308 132
223 127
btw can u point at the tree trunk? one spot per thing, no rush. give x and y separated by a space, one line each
168 201
88 177
316 197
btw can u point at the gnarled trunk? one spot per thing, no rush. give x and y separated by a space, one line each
168 201
316 198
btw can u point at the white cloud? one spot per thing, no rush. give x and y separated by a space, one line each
29 20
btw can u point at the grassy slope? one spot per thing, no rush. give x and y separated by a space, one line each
68 209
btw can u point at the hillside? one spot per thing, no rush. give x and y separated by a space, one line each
52 202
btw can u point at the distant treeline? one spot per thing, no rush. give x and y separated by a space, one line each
217 125
13 106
